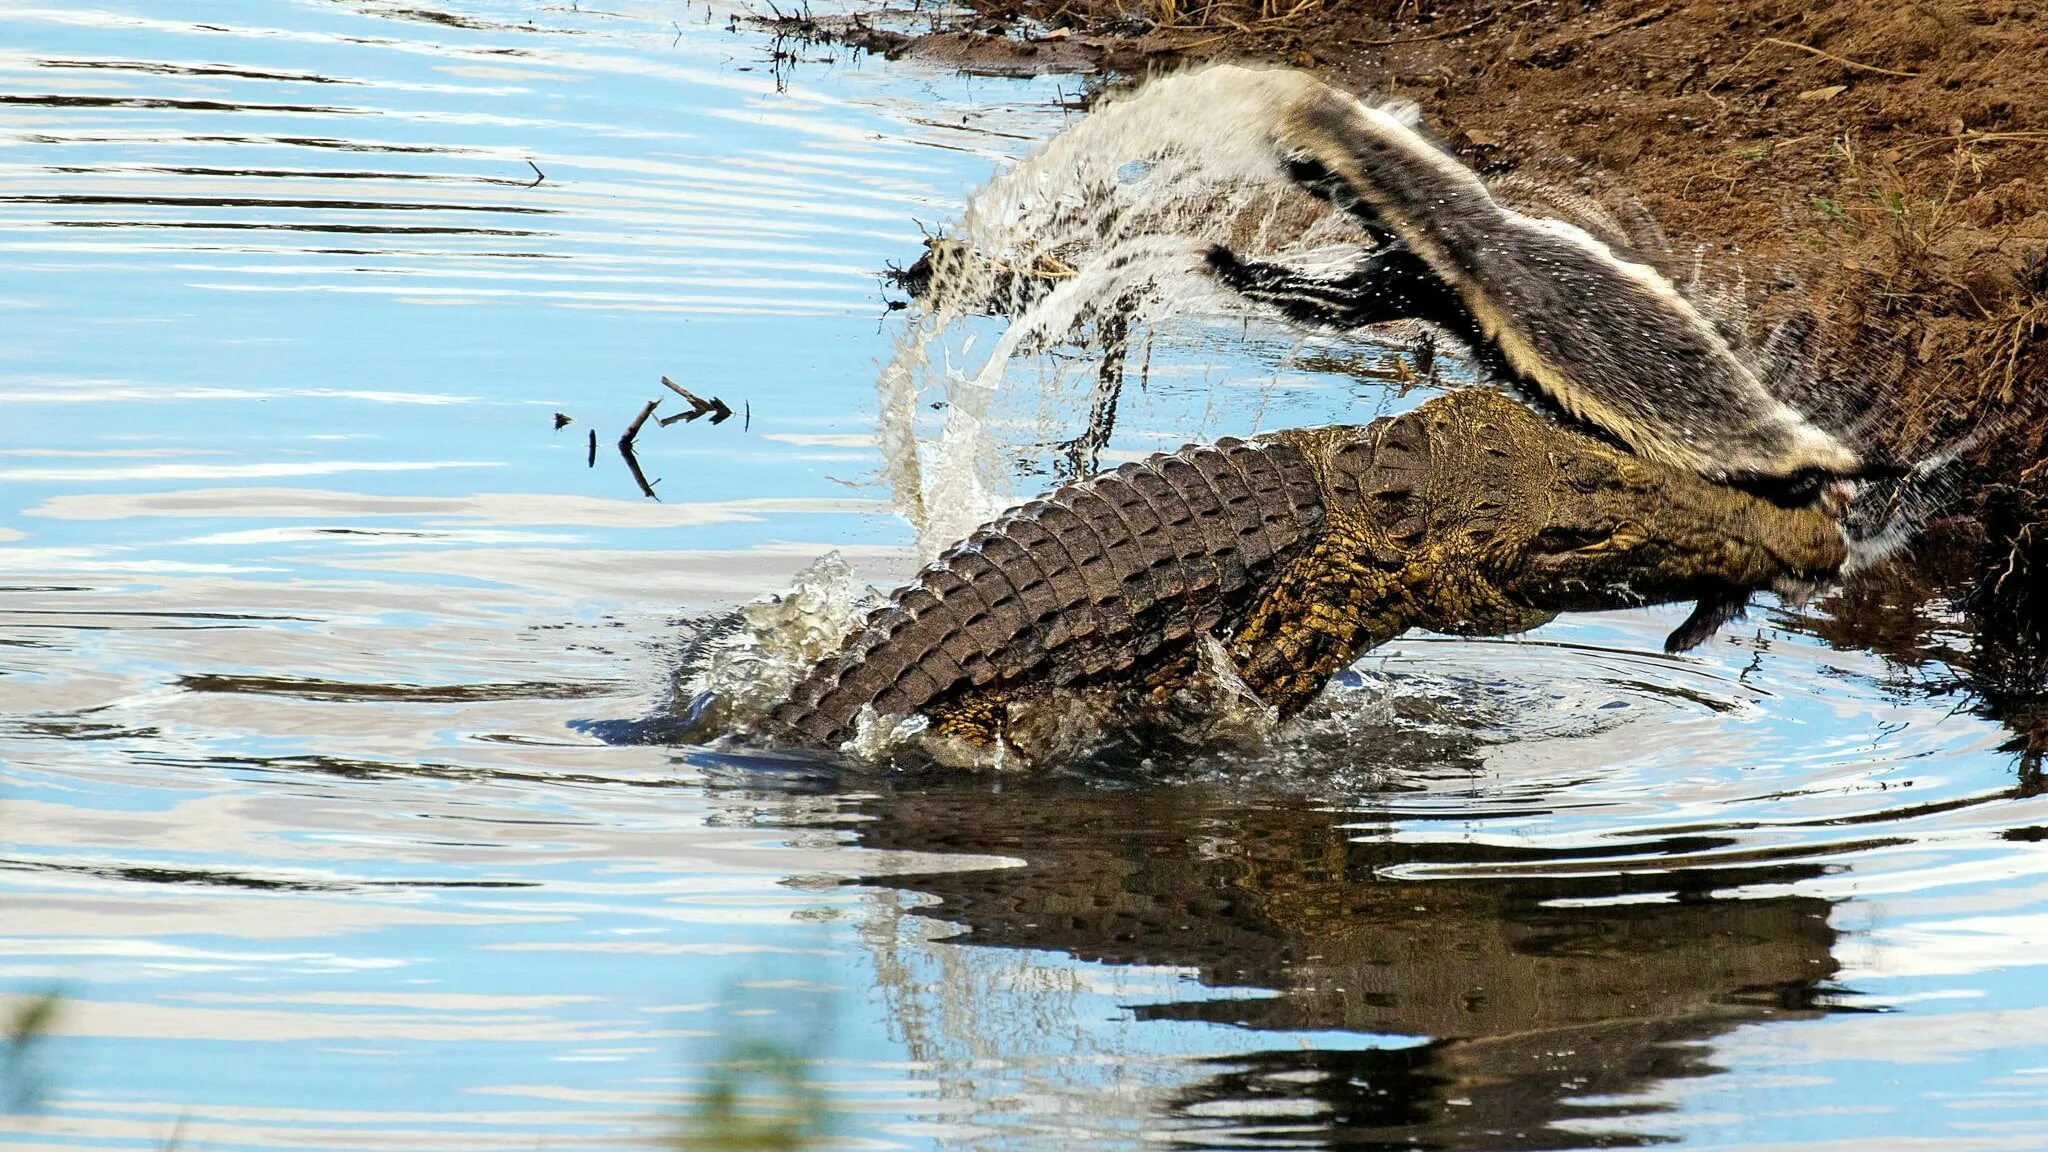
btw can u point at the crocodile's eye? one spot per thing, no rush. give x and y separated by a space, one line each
1565 539
1561 538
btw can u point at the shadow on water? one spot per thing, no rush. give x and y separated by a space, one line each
1497 1011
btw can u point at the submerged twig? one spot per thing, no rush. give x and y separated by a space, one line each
633 430
718 409
626 449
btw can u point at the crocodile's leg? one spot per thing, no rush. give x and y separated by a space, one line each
1334 605
1330 606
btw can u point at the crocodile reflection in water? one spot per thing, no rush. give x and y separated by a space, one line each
1533 990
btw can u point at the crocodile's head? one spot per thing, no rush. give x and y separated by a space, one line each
1609 530
1494 510
1620 530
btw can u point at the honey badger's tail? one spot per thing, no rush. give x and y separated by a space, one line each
1608 341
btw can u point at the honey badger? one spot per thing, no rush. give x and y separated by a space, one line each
1604 339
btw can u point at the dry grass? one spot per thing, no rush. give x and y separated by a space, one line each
2017 346
1223 15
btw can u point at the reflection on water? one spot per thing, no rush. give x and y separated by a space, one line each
307 613
1507 1006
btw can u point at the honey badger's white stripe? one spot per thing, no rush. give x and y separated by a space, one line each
1608 340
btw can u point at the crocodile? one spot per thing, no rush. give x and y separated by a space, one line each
1293 554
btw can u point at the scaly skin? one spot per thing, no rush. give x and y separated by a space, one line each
1299 551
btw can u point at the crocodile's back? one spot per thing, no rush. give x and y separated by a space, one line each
1075 586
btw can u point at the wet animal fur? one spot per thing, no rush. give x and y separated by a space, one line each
1605 339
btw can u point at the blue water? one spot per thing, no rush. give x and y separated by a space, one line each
305 605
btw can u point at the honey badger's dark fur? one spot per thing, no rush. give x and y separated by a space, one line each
1545 304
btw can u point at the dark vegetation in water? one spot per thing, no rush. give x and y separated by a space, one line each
1883 169
760 1098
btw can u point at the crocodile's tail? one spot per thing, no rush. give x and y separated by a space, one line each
1086 582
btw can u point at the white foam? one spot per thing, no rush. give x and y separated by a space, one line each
1124 203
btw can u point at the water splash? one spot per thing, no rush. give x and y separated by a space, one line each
1103 228
748 664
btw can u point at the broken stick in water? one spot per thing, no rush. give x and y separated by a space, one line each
720 413
626 449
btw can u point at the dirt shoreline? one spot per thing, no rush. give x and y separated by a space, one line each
1893 159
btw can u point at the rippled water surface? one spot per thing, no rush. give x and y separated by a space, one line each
306 609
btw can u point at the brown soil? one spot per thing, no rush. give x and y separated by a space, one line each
1892 156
